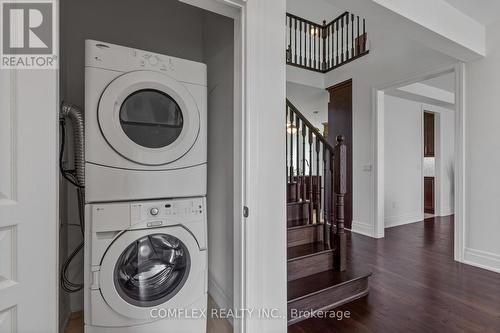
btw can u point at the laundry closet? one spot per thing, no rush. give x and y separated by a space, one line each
195 49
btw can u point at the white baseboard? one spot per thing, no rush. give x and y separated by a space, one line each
394 221
446 211
362 228
482 259
223 299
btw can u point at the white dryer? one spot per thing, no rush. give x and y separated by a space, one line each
146 267
145 125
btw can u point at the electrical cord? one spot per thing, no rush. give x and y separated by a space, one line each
66 283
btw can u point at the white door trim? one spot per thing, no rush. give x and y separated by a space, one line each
378 140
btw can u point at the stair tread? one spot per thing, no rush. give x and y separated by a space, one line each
315 283
315 225
300 202
304 250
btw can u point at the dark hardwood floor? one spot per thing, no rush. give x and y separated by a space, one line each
416 286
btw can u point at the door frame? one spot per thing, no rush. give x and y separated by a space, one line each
378 151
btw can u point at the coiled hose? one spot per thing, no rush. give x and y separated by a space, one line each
75 177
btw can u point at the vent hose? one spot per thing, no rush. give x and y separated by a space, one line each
77 178
75 116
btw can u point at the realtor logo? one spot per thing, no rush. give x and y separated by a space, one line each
28 35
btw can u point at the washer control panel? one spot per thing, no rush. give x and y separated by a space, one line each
161 213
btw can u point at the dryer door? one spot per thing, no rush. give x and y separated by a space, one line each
150 269
149 117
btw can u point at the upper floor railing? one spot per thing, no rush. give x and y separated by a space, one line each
323 47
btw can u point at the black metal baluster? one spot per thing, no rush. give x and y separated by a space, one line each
300 42
332 35
290 129
318 183
310 190
295 44
337 38
297 158
342 35
357 39
314 38
286 144
323 45
305 43
290 38
364 36
347 36
310 43
326 230
304 132
352 35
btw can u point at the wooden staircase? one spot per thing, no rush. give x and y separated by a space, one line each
320 276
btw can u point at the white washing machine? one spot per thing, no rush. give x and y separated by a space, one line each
146 267
145 125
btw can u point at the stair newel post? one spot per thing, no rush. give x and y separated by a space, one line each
317 194
310 189
340 189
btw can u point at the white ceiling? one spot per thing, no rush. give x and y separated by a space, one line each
445 82
482 11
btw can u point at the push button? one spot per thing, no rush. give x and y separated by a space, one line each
154 211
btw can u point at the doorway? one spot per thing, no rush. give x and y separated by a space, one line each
455 172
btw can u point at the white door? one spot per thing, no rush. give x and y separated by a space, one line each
28 201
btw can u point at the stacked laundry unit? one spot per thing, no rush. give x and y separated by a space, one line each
145 175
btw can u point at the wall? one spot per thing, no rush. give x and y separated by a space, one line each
308 100
403 160
482 244
218 44
384 65
173 28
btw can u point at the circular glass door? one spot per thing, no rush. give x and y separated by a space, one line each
148 117
151 270
151 118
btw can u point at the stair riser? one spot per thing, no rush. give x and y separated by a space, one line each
317 263
297 214
301 236
292 192
329 298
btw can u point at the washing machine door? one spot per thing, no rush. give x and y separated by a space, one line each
150 269
149 117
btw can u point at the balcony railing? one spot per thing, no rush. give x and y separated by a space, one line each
324 47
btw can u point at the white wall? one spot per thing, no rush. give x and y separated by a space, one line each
482 241
384 65
218 48
308 100
180 30
403 160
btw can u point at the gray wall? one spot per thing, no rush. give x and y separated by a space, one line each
176 29
219 57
